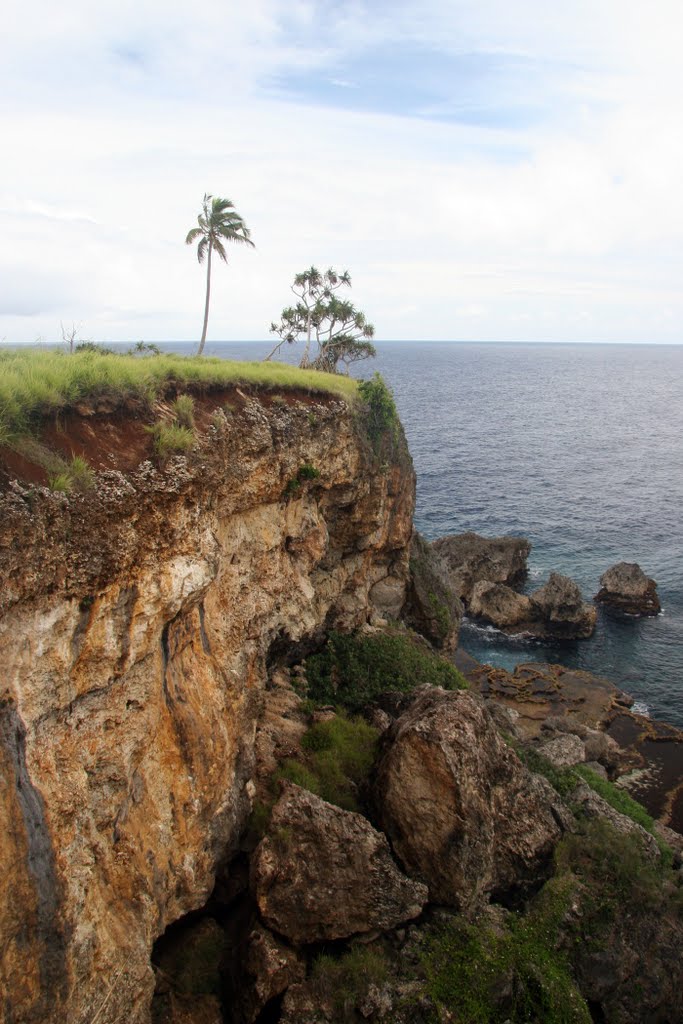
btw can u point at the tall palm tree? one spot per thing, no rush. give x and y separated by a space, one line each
218 222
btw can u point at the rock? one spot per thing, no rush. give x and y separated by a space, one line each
188 1009
499 604
432 608
593 806
564 751
470 558
626 588
561 609
269 968
461 811
321 873
388 596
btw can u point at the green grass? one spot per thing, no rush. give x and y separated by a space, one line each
343 981
35 383
353 669
170 438
339 755
183 411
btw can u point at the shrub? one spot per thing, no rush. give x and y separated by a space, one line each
339 755
305 472
343 981
381 417
353 669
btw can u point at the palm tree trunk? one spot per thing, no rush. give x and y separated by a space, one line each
206 306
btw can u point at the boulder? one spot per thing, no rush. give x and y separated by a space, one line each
470 558
499 604
433 609
561 610
321 873
268 969
564 751
593 806
462 812
626 588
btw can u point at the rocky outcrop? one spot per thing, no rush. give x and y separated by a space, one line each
432 607
500 605
626 588
470 558
462 813
561 610
268 969
321 873
137 623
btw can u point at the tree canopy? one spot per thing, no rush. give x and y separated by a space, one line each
335 332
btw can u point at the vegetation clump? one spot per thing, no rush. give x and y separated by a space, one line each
304 473
353 669
342 982
381 417
339 754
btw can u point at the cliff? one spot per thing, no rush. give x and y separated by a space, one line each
137 623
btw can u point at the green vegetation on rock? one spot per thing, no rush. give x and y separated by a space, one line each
354 668
339 754
341 982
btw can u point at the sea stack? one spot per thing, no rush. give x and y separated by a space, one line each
626 588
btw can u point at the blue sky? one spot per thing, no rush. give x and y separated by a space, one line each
485 170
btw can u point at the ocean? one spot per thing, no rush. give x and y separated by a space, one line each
579 448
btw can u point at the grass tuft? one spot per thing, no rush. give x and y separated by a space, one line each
170 438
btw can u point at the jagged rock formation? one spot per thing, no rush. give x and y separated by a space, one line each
470 558
500 605
462 813
432 606
561 610
626 588
321 873
136 624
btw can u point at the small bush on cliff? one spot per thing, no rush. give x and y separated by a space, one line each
171 438
354 668
183 411
339 755
342 982
381 418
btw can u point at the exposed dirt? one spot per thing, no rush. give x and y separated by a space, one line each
109 437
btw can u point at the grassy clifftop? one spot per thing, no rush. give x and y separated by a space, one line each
36 383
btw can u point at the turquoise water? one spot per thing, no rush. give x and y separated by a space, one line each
577 447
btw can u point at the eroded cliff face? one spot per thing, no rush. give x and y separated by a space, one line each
136 623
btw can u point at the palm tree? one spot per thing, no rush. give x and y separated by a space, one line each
218 222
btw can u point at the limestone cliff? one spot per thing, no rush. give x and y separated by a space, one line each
135 629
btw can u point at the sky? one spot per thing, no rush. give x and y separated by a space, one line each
485 169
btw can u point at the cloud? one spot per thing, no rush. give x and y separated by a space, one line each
522 160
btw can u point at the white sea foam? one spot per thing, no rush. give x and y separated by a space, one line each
641 708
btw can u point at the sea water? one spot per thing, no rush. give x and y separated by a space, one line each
579 448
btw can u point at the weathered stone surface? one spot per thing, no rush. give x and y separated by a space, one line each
470 558
499 604
432 608
461 811
268 969
626 588
321 873
593 806
136 624
561 610
564 751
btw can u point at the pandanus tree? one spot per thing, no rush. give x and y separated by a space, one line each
337 331
218 223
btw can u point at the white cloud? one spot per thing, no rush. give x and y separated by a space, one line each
566 227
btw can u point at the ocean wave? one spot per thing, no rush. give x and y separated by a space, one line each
641 708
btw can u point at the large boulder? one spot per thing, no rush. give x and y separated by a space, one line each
432 607
561 611
626 588
470 558
321 873
269 967
462 812
499 604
